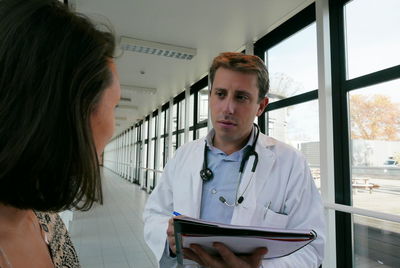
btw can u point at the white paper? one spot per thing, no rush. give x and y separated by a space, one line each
245 245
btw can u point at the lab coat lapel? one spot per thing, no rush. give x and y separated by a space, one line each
192 203
243 214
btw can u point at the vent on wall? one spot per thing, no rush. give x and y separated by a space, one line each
155 48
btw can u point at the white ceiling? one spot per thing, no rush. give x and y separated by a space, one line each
210 26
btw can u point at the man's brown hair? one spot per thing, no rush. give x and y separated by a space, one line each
243 63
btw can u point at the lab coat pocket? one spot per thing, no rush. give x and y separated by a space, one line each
275 220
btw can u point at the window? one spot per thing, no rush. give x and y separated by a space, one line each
372 36
366 96
202 105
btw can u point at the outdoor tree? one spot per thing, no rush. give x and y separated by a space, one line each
374 118
283 86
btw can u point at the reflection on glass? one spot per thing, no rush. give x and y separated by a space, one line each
376 242
143 166
181 137
292 65
162 124
160 154
190 135
298 126
203 104
191 110
372 36
144 129
202 132
174 116
375 146
153 126
182 114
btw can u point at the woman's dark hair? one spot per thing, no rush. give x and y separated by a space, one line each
54 67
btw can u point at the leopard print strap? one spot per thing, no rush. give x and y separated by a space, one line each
62 250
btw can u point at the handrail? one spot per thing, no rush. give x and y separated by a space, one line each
363 212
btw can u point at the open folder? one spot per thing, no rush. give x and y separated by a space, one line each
240 239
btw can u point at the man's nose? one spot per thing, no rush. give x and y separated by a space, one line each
228 105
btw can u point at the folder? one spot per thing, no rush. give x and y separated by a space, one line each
240 239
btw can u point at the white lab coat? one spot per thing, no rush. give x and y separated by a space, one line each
282 182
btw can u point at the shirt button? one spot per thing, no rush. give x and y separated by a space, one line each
214 191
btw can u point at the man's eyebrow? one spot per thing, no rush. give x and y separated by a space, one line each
242 92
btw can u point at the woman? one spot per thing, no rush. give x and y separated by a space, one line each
58 91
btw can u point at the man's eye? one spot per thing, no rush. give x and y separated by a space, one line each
219 94
242 97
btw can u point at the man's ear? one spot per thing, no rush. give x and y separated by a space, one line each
262 105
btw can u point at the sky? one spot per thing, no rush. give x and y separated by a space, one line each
372 44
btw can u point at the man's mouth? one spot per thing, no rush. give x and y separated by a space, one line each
226 123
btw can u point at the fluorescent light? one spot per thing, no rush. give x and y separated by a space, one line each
145 90
127 106
155 48
121 118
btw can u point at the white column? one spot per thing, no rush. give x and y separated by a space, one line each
133 155
170 122
141 171
150 157
249 48
326 126
157 150
187 103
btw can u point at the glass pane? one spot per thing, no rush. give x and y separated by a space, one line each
372 35
162 124
174 117
167 121
182 114
153 126
376 242
191 110
292 65
298 125
151 155
181 137
160 154
190 135
203 104
202 132
375 146
145 129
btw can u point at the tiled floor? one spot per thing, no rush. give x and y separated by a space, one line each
111 235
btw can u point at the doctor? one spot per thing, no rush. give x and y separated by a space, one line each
236 175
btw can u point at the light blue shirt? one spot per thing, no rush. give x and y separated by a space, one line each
224 182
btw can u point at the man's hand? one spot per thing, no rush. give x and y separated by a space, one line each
227 258
171 235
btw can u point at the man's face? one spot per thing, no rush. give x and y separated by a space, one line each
234 105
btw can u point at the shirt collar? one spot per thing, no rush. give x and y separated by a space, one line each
213 149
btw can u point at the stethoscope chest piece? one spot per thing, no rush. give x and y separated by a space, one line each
206 174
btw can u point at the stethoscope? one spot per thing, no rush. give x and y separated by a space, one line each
206 174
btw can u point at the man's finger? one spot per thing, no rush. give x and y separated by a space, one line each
227 255
189 254
255 259
207 259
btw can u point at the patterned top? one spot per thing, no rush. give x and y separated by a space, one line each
60 245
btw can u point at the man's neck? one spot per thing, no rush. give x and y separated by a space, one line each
230 146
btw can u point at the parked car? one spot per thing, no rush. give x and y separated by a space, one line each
391 163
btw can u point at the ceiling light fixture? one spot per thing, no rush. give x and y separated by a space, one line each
127 106
155 48
121 118
144 90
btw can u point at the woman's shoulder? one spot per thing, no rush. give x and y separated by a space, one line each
61 248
